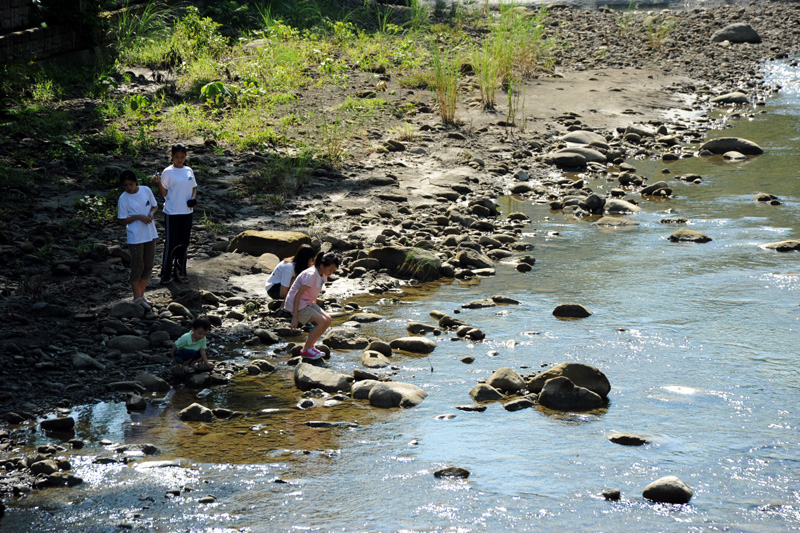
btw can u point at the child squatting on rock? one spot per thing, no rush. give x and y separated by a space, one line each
280 280
178 185
302 301
135 210
191 346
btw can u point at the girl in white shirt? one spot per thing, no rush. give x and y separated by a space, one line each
135 210
281 278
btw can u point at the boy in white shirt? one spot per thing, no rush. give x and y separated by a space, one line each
135 210
178 186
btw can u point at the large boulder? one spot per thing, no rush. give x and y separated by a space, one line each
151 382
373 359
196 413
736 33
413 344
566 159
129 343
589 138
581 374
615 206
393 394
470 258
689 235
61 424
784 246
360 389
307 377
732 144
483 392
668 489
390 257
506 379
571 311
590 155
421 264
259 242
561 393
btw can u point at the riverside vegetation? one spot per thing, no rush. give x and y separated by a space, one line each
385 132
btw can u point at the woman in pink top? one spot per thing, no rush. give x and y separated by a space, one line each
302 301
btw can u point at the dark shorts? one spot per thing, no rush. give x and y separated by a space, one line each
185 355
274 292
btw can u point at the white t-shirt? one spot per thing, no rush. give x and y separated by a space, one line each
179 183
311 278
282 275
138 203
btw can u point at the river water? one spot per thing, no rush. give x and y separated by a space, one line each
699 342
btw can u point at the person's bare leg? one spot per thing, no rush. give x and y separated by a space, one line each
321 323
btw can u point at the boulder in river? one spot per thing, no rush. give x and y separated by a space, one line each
784 246
307 377
581 374
394 394
506 379
668 489
615 206
420 345
451 471
373 359
571 311
616 222
196 413
151 382
483 392
689 235
728 144
562 394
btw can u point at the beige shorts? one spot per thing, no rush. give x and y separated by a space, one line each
307 313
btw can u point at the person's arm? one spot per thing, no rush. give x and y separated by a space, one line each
161 189
204 357
284 291
147 219
296 306
194 193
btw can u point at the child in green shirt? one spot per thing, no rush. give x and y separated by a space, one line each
191 346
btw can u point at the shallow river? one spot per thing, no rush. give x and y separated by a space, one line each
699 342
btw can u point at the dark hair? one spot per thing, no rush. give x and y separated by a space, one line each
301 258
326 259
201 322
127 175
179 147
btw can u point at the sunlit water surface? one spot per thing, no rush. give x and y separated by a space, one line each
699 342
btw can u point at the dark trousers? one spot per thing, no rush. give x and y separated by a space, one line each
176 245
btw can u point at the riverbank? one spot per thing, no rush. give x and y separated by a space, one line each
454 171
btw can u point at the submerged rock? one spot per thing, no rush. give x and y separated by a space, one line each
571 311
689 235
668 489
452 471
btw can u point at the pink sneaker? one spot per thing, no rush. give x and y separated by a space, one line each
312 354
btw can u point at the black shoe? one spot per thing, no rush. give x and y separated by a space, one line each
182 279
166 281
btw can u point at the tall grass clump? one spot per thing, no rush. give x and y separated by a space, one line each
487 73
445 84
142 33
520 44
658 30
626 19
